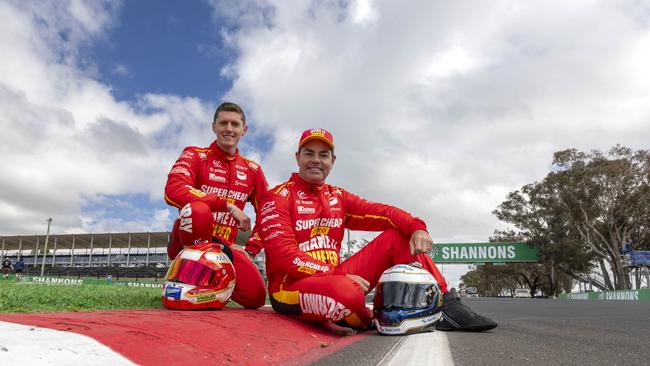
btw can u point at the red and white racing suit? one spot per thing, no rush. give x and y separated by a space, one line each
211 176
302 227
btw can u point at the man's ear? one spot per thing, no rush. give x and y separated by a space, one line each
297 156
214 127
333 158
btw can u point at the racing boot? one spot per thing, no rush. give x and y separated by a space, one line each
457 316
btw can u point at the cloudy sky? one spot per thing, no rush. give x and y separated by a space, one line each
438 107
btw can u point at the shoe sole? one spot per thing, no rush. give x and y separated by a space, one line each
456 326
468 329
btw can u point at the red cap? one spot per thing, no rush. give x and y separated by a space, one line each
317 134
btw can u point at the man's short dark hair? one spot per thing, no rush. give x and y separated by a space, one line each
229 107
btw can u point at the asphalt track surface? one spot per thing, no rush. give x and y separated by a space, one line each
533 332
530 332
557 332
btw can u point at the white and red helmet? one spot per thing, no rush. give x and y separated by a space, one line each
200 277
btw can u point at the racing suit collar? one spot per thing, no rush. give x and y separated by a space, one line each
303 184
318 189
222 155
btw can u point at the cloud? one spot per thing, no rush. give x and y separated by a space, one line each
121 70
438 108
443 108
446 106
66 140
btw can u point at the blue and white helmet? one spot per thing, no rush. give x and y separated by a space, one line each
407 300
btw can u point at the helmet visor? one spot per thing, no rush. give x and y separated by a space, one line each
404 295
190 272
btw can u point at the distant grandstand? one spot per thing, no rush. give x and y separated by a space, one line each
133 255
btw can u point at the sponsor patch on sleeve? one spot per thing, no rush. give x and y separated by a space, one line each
181 170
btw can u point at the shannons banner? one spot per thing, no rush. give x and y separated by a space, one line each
484 253
641 294
87 281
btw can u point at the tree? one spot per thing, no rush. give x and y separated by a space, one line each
607 198
488 280
536 210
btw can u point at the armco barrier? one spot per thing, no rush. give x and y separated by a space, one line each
641 294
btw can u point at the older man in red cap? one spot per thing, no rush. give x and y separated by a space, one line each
302 224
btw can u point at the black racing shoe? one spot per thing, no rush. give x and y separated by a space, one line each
457 316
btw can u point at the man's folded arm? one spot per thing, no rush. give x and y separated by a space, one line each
365 215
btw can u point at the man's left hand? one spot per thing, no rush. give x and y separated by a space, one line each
243 221
420 242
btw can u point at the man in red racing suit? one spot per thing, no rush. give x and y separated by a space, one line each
302 226
210 186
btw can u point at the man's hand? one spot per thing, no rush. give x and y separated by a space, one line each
243 221
365 285
420 242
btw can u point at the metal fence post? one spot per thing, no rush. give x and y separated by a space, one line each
72 251
38 239
90 257
47 237
54 252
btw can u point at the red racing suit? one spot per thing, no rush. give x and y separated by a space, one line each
302 227
211 176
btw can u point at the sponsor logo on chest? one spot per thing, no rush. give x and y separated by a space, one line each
225 193
306 210
331 222
217 170
216 178
304 202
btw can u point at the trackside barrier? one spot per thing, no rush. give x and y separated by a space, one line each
87 281
641 294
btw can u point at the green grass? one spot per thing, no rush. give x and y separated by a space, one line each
21 297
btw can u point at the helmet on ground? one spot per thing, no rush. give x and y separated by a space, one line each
407 300
200 277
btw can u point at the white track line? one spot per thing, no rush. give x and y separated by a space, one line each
422 349
27 345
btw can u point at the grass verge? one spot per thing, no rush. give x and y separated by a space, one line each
19 297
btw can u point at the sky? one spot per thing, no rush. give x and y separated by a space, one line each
438 107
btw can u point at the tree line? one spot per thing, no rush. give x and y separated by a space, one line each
579 217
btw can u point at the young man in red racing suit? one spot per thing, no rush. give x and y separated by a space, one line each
302 226
210 186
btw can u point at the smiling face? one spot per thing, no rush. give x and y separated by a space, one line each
229 128
315 160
